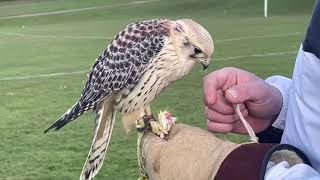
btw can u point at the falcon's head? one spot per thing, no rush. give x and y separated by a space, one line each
194 41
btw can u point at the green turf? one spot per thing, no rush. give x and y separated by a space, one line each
60 43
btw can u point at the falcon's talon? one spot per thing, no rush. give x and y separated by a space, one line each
143 123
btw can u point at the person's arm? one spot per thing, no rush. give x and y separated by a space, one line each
302 123
302 117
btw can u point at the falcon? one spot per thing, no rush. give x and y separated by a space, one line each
140 62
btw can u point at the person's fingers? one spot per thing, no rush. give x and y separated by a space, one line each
224 118
243 110
222 105
244 113
220 118
215 81
219 127
238 126
251 91
209 89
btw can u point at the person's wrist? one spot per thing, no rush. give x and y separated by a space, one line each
273 110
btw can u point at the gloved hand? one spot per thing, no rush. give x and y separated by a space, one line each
193 153
261 102
189 153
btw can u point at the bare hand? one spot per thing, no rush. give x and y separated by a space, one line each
260 102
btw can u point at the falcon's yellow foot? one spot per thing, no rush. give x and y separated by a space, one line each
143 178
143 123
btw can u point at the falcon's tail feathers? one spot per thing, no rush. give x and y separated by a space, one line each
69 116
106 114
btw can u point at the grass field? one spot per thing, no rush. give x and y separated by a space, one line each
44 57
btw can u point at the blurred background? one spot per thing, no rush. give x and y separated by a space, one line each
47 46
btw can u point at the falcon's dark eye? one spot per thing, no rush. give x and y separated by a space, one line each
197 50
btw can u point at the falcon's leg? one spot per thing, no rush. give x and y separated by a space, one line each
147 110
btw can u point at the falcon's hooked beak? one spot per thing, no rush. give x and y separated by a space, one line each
204 61
204 66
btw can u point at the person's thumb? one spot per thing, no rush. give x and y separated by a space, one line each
241 93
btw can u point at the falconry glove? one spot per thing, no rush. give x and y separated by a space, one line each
191 153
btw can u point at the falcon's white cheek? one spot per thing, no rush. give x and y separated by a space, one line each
187 67
185 61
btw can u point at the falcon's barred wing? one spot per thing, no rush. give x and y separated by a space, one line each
124 61
120 66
